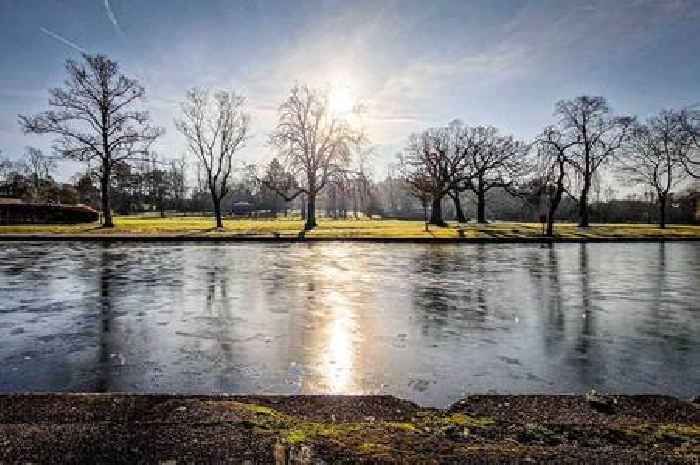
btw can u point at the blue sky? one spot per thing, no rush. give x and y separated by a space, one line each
414 63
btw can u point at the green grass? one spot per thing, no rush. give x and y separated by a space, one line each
349 228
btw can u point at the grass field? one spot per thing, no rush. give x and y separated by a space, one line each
349 228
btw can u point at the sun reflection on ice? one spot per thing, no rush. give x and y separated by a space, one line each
338 360
334 348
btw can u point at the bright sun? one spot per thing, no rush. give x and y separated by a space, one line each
341 101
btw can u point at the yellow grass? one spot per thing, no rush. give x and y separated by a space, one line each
350 228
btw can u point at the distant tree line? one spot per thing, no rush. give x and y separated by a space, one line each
321 162
30 178
562 167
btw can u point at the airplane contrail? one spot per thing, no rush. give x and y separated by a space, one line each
63 40
113 18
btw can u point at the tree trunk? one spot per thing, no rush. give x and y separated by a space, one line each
458 209
425 214
481 205
330 202
105 191
583 206
558 193
662 211
354 200
554 204
303 207
310 212
217 212
436 213
550 224
459 213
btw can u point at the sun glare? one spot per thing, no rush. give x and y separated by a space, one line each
341 100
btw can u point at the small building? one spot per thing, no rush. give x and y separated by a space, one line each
15 211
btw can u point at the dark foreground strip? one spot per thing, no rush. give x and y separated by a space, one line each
323 430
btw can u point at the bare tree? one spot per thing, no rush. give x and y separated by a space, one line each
176 169
392 188
5 170
10 174
460 174
276 175
39 165
39 168
433 155
552 158
313 144
493 161
93 119
656 155
5 165
215 126
592 136
157 182
419 182
337 192
457 158
362 180
690 121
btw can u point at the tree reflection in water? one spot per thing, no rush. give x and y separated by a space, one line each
428 322
104 358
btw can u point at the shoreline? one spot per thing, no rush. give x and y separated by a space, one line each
337 429
294 239
200 229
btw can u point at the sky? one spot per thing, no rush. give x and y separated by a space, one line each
413 64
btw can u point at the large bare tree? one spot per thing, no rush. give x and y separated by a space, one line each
434 158
494 160
552 150
456 158
593 136
313 144
215 125
460 173
656 155
94 118
690 120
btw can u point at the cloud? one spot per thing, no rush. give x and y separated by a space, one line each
113 18
63 40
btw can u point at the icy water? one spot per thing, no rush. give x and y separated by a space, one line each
424 322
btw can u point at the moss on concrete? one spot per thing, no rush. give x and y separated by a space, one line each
374 430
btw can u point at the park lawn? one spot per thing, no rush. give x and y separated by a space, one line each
346 228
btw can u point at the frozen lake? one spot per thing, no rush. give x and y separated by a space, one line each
424 322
